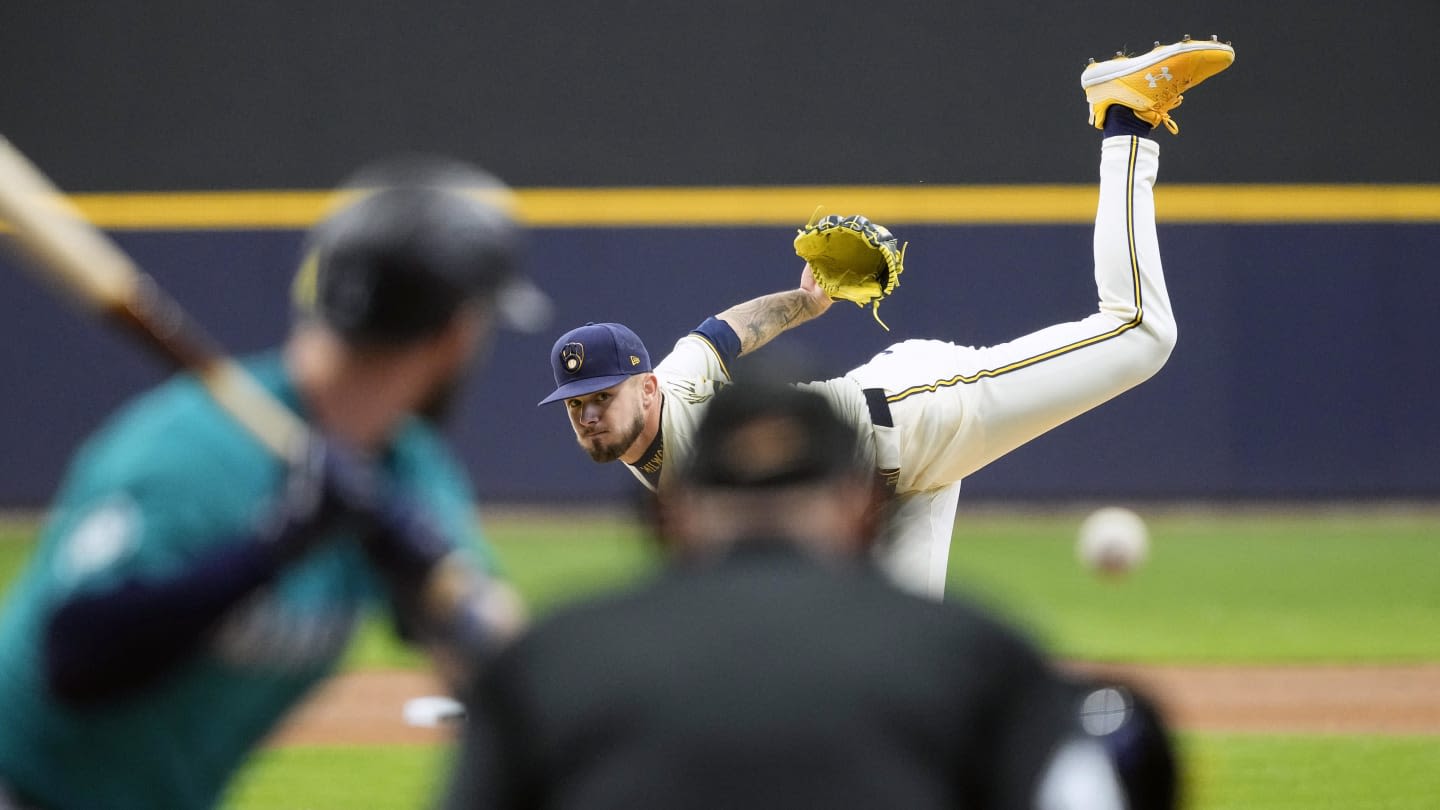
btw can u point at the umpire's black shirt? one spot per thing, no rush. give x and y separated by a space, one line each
766 680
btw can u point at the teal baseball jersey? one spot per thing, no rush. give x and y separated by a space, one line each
168 478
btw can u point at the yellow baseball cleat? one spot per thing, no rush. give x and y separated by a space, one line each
1151 84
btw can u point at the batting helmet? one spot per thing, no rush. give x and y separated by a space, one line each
422 238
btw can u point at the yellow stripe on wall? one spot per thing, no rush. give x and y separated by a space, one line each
220 210
791 205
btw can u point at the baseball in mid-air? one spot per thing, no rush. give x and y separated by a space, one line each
1112 541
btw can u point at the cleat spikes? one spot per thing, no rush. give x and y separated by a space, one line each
1091 61
1214 37
1185 38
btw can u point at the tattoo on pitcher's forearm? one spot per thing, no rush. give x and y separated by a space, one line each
758 321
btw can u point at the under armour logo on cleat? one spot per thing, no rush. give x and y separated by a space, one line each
1164 74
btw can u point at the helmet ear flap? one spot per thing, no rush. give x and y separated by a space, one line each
345 294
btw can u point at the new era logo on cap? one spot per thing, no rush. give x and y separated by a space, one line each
594 357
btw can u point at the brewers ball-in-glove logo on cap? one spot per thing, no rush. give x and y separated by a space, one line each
594 357
852 258
572 357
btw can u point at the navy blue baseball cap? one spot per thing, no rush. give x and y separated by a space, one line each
594 357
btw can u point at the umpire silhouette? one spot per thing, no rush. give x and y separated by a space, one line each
770 664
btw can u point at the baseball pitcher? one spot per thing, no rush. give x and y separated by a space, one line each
927 412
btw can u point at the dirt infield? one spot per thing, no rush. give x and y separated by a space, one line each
365 707
1300 699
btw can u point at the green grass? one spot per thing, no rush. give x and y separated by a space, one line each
554 560
389 777
551 561
15 543
1220 587
1275 772
1223 772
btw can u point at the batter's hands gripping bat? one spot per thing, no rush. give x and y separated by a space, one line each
66 250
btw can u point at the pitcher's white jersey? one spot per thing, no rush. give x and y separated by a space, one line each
689 377
930 412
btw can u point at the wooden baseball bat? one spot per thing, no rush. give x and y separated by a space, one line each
69 252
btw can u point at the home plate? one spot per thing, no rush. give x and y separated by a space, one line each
433 711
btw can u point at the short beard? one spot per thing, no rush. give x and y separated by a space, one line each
439 406
606 453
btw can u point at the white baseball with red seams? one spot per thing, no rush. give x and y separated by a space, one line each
1113 540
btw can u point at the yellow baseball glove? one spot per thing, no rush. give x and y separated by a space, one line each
852 258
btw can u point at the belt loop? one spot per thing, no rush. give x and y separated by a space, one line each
887 441
879 408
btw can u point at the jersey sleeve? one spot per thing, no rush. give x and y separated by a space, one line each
706 353
140 500
97 541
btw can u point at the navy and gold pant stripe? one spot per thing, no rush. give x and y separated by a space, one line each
965 379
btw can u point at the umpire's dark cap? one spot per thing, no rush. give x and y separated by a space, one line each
594 357
769 434
416 239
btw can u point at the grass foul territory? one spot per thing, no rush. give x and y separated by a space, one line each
1312 585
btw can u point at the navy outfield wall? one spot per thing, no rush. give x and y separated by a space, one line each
1304 364
1304 367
